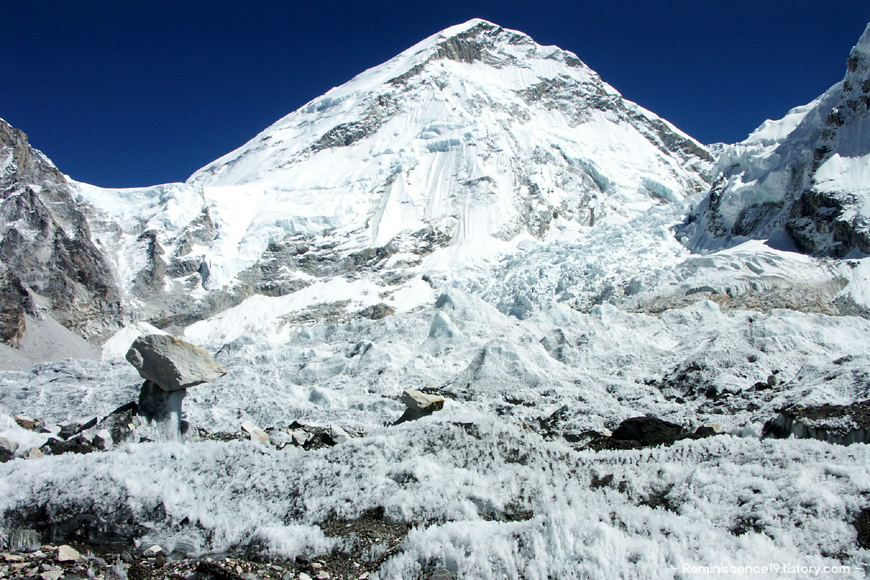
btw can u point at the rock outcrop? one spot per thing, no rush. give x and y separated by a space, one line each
46 247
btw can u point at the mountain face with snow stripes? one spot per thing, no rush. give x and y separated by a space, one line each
440 159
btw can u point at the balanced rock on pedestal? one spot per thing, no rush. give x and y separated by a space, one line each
169 366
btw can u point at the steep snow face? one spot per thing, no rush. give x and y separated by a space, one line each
802 180
477 131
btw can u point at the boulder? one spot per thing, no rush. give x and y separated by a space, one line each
26 422
419 401
172 363
67 554
419 405
338 434
254 432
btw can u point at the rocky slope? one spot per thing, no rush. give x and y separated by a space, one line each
47 256
802 179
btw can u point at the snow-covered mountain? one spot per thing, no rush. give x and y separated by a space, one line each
485 219
441 159
804 179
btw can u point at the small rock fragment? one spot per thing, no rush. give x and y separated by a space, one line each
300 436
255 432
26 422
322 575
67 553
338 434
152 551
52 575
35 453
7 449
441 574
280 439
304 576
103 440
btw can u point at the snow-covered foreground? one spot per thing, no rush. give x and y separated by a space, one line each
487 500
489 484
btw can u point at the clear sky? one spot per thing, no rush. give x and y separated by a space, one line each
129 93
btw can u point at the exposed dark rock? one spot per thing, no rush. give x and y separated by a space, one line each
377 311
15 302
78 444
641 432
841 424
862 529
46 243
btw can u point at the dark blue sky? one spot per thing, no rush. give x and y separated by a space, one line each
127 93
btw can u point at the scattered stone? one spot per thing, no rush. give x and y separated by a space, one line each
279 439
338 434
255 433
35 453
49 428
26 422
377 311
103 440
300 436
7 449
172 363
304 576
67 553
441 574
52 575
322 575
152 551
213 571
